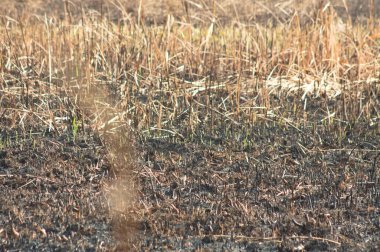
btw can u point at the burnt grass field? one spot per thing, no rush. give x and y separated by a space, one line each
189 126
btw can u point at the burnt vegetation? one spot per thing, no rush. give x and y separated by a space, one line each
190 125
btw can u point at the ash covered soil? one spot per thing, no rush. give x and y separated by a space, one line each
50 183
291 189
51 197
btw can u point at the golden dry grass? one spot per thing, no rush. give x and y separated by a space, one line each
323 57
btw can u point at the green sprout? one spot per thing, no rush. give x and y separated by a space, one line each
75 127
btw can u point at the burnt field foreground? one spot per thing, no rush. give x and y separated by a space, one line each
198 129
290 191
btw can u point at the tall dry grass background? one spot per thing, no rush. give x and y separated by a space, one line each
188 69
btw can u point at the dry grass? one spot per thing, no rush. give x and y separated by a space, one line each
181 62
206 72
